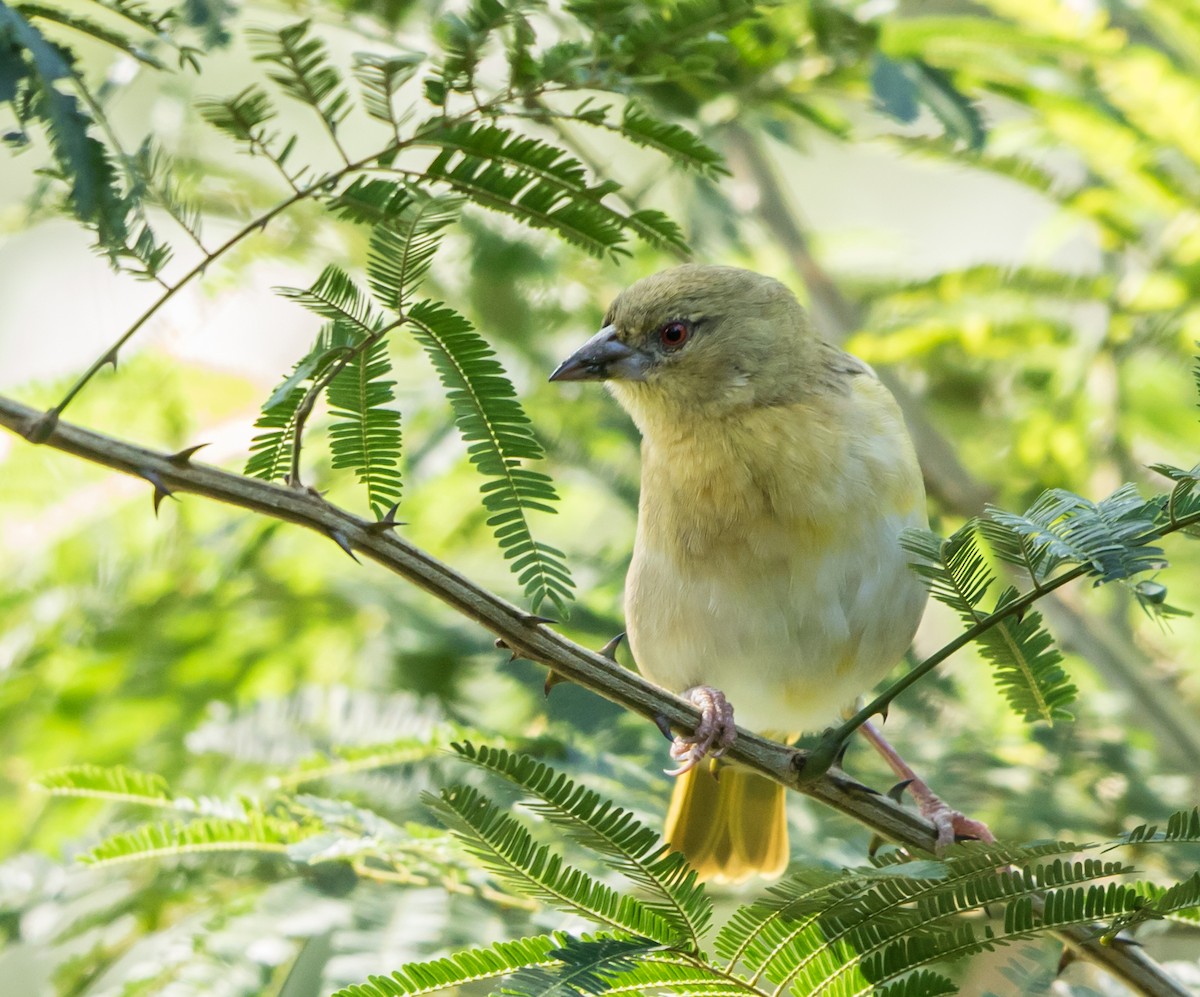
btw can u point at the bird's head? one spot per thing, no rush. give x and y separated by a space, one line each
703 339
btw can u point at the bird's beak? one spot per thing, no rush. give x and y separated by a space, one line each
603 357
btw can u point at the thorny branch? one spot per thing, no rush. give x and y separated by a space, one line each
529 637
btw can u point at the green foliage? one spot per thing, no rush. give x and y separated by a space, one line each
117 783
381 78
34 67
539 184
497 960
365 433
303 70
629 846
499 437
507 849
819 930
1025 664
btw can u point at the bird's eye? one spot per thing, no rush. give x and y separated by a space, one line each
674 334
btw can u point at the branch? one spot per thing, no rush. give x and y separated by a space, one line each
528 637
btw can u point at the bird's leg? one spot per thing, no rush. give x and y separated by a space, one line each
950 823
713 734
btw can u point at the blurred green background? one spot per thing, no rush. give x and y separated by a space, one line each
1028 276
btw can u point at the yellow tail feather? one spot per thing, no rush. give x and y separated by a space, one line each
729 827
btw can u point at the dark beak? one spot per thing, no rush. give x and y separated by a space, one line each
603 357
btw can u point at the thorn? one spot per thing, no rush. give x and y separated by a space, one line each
858 787
876 843
340 538
161 489
531 620
159 495
841 754
502 645
664 726
387 522
1068 956
883 714
553 678
609 650
42 428
185 455
110 358
300 486
896 793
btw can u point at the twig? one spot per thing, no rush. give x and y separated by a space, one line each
531 639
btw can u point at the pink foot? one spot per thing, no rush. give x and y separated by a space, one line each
713 735
951 824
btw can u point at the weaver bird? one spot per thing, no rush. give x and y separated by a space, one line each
777 476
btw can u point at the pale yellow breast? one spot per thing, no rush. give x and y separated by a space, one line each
766 561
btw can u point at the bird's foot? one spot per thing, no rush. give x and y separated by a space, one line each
714 734
951 825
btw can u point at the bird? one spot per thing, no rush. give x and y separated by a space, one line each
767 575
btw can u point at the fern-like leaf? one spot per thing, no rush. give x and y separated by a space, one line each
1025 663
499 437
172 839
669 972
242 116
402 248
1112 537
539 184
372 201
346 760
115 783
1180 903
632 848
381 78
1183 825
303 70
336 297
81 160
471 966
505 847
672 140
586 966
271 450
365 434
83 24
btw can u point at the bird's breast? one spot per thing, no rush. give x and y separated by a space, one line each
767 563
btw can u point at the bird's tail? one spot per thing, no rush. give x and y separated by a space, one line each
730 826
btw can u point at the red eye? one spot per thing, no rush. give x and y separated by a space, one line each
674 334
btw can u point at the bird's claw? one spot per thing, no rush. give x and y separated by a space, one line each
951 825
714 734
